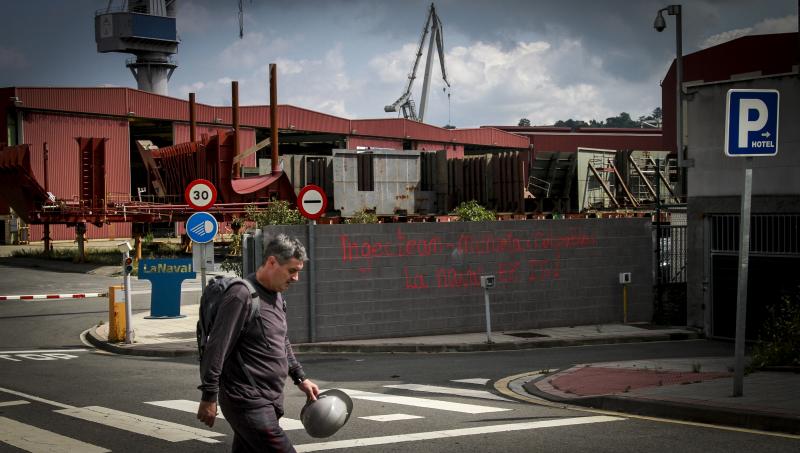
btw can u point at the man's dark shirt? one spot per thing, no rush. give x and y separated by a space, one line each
269 362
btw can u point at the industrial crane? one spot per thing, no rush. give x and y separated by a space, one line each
433 25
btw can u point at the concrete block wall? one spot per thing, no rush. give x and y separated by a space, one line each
409 279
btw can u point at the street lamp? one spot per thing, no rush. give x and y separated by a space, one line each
659 24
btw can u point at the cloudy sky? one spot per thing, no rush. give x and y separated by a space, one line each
545 60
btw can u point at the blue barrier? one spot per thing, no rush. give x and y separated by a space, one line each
166 276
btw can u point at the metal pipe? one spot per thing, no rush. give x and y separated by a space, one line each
676 10
46 237
235 113
312 286
741 295
273 117
192 119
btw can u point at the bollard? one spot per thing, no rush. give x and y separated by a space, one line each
116 314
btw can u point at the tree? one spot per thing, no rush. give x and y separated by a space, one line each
570 123
524 122
622 120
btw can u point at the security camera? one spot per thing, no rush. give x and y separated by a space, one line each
124 247
659 24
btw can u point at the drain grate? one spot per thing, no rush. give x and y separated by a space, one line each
526 334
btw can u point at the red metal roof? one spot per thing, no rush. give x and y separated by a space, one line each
548 138
127 102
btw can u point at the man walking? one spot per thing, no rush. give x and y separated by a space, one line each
253 404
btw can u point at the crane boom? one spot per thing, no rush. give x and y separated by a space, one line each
433 25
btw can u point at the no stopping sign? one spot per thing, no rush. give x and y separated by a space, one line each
311 202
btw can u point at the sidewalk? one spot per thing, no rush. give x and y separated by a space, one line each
695 389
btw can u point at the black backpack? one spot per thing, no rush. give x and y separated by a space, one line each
209 305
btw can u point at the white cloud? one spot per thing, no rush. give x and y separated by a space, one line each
785 24
541 81
491 83
252 51
394 67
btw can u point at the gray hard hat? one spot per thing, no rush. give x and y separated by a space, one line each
323 417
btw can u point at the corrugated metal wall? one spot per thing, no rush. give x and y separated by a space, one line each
59 131
109 101
373 142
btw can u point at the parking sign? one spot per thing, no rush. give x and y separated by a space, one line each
751 123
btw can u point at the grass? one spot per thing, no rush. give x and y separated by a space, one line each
104 257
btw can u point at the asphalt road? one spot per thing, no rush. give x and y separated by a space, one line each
55 390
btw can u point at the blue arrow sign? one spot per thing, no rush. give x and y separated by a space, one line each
751 123
201 227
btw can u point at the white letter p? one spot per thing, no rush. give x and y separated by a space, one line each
745 125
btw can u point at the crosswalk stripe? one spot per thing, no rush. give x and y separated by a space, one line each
391 417
160 429
287 424
476 381
181 405
35 440
422 402
450 433
450 391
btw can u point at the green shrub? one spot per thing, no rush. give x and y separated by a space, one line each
276 213
471 211
102 256
779 340
234 264
362 216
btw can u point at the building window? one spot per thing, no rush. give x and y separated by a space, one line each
366 172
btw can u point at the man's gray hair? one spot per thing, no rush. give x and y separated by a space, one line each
284 248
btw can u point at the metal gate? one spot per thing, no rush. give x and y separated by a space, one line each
669 238
772 271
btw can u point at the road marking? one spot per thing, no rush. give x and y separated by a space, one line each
153 427
476 381
422 402
36 398
450 391
13 403
36 440
391 417
450 433
287 424
512 386
44 351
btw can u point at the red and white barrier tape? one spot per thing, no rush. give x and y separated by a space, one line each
54 296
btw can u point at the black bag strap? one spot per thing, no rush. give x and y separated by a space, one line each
255 304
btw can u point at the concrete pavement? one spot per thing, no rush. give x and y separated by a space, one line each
694 389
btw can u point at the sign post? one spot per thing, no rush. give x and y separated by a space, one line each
751 129
311 202
201 227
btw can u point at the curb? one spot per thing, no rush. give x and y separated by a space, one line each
321 348
483 347
135 350
750 418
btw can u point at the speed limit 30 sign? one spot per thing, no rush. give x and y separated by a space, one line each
312 201
200 194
